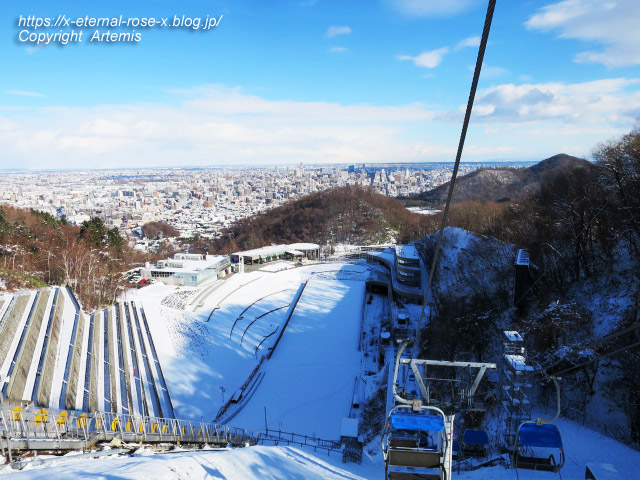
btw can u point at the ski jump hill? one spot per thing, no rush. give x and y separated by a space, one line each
283 343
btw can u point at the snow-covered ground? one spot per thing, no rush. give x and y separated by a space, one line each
283 463
208 354
582 446
469 265
259 463
309 379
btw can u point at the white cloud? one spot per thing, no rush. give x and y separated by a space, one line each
24 93
611 24
339 50
600 102
432 8
335 30
213 124
433 58
430 59
468 42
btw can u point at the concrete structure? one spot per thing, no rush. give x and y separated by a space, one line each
53 355
407 265
187 269
407 271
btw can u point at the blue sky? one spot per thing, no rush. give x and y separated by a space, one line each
319 81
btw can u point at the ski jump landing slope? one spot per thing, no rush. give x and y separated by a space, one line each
309 379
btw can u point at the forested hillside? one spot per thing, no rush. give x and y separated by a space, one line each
582 227
37 249
353 214
500 184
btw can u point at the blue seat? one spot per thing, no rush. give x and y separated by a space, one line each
534 443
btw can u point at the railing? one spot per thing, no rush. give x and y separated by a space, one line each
71 430
277 437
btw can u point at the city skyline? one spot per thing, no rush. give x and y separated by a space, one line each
197 201
319 82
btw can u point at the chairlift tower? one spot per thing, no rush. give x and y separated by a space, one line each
516 390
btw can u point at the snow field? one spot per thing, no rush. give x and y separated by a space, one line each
263 463
309 380
202 352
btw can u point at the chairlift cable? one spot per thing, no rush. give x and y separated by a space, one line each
597 357
463 134
593 344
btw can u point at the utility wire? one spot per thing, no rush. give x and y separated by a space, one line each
463 134
606 338
597 357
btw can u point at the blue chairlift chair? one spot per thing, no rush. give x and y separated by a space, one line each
413 445
535 447
475 443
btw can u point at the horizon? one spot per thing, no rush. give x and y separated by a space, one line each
268 166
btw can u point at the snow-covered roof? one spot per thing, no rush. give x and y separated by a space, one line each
407 251
178 265
522 257
304 246
604 471
385 255
349 427
299 248
513 336
518 363
268 250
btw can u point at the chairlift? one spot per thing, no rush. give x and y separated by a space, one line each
536 445
475 443
537 441
415 443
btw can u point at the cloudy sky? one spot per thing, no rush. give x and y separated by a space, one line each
318 81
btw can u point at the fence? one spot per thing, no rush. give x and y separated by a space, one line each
278 437
26 429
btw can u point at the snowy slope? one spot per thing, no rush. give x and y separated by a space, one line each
263 463
469 265
309 380
582 446
214 348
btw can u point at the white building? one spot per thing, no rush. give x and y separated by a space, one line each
187 269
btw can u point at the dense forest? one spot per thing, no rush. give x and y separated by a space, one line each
575 219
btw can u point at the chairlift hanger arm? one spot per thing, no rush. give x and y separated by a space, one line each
397 397
423 389
476 382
